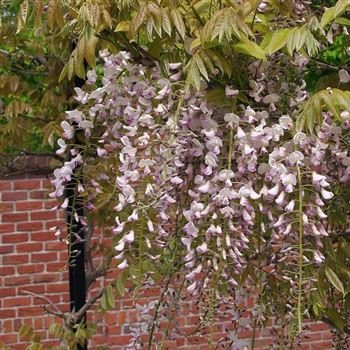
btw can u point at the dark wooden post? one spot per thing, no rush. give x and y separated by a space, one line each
77 284
77 278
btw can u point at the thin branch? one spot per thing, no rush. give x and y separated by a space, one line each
160 302
57 313
79 315
97 272
90 270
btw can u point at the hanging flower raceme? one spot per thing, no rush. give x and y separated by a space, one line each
226 194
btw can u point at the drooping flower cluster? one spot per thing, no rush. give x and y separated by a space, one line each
220 189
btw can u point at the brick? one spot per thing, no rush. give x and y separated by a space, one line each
7 270
5 185
30 268
29 247
132 316
15 259
30 226
26 184
44 278
321 346
7 249
122 317
43 257
17 281
43 215
13 196
45 183
7 228
51 204
6 207
55 267
57 287
120 339
40 194
43 236
14 217
14 238
7 326
38 289
52 223
19 301
29 205
7 292
56 246
38 323
53 298
318 326
30 311
63 256
8 338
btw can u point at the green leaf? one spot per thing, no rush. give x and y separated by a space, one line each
274 41
334 280
312 45
56 330
343 21
328 100
207 61
89 50
25 332
122 26
34 346
121 284
333 12
63 73
336 319
249 47
108 298
80 335
220 62
139 19
328 16
166 25
22 15
178 22
195 44
224 24
70 67
201 66
296 39
193 74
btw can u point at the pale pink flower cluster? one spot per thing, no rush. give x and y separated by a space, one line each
228 184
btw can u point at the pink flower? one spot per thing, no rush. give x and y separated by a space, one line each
130 237
123 265
203 248
344 76
326 194
68 130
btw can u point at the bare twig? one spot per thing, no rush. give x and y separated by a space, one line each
79 315
90 270
57 311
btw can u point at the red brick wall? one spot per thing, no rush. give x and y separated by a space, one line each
33 259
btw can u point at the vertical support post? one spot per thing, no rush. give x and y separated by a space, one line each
77 278
77 284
